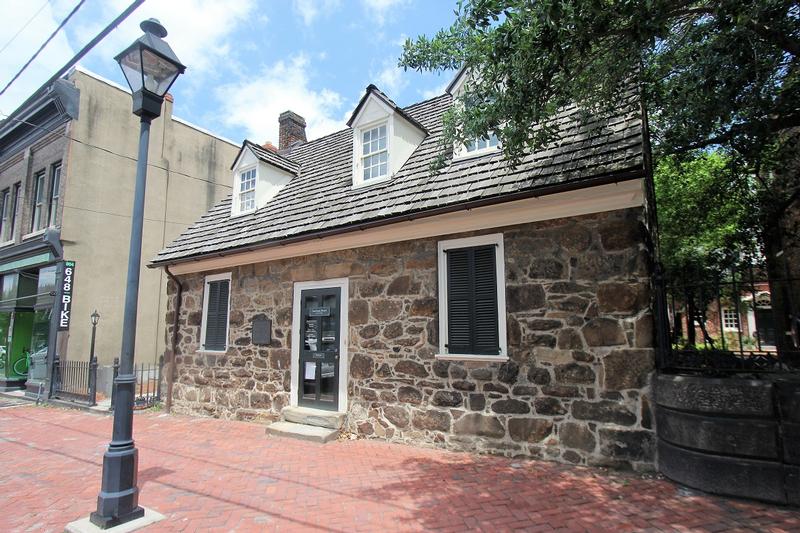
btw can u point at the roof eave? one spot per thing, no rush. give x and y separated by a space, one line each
614 177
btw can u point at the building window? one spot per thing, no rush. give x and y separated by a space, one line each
247 190
14 204
472 315
39 215
484 144
730 319
5 215
55 187
375 155
216 302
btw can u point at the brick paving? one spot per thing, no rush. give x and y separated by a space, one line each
214 475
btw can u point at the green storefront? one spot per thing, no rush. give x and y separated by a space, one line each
27 288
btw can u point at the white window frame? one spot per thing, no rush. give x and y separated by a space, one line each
55 193
38 203
358 160
5 215
500 267
726 320
208 280
460 151
238 186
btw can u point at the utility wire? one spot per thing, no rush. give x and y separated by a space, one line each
23 27
106 150
85 50
58 29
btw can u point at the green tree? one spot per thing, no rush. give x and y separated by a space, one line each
705 212
716 75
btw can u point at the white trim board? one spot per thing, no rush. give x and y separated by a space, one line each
344 329
566 204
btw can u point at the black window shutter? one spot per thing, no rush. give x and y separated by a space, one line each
217 315
472 326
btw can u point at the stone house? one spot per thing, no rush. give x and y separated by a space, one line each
344 285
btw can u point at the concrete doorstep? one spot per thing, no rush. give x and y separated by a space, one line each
83 525
302 431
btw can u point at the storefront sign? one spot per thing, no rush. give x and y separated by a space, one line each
319 311
66 295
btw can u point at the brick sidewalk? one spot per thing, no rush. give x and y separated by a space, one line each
206 474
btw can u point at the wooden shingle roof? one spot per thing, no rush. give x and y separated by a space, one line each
320 197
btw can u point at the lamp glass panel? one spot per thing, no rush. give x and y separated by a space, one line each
131 65
158 73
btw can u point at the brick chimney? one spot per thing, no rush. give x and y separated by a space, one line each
269 146
292 129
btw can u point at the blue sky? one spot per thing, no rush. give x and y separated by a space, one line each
248 60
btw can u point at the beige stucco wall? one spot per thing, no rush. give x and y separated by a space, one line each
188 172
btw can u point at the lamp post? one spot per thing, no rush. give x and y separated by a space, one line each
95 318
150 67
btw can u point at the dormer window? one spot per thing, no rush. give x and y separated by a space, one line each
482 144
257 176
384 137
478 146
247 190
375 156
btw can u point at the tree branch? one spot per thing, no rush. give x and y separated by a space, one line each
771 125
768 33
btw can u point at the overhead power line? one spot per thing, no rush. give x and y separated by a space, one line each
24 26
58 29
85 50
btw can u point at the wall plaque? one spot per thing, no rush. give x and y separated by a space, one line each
262 330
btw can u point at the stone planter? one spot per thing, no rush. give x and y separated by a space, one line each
730 436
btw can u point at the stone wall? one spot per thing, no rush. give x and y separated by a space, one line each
576 387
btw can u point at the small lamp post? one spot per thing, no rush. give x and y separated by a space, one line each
151 67
95 318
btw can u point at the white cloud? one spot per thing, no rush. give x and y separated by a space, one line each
255 102
435 91
200 31
310 9
15 14
379 9
392 79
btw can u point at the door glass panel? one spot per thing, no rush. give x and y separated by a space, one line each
310 381
327 382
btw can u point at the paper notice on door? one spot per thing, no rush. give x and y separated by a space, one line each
311 371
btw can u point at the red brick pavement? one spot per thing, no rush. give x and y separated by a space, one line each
213 475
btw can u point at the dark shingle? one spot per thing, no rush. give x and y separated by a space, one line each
320 197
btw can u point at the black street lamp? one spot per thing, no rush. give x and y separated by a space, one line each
95 318
151 67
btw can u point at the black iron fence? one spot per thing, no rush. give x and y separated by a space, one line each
147 392
738 321
75 380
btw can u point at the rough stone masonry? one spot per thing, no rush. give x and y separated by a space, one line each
576 388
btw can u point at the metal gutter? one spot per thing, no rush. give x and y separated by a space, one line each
615 177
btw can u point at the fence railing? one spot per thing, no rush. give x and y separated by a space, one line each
148 384
739 321
75 380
